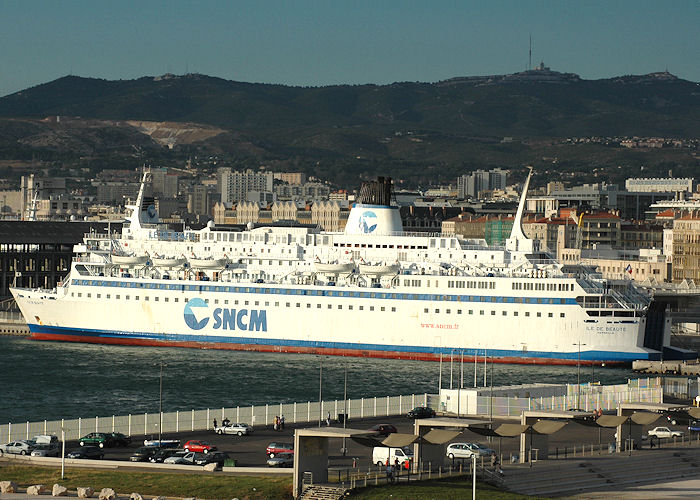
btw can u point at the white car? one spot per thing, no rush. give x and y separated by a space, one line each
21 447
163 443
237 428
281 460
664 432
466 450
181 457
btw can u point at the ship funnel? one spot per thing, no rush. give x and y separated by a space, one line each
373 213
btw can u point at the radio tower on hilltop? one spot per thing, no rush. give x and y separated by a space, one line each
529 61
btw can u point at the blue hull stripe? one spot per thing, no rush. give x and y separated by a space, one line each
611 356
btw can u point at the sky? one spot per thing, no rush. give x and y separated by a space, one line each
328 42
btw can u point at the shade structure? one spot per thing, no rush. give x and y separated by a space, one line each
644 417
610 421
397 440
694 412
440 436
503 430
548 426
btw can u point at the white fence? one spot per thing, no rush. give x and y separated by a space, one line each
198 420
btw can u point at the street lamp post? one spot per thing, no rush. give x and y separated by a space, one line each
578 376
345 403
320 390
160 404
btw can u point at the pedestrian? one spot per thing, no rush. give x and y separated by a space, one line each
651 442
494 460
388 471
328 420
215 426
275 422
397 467
282 422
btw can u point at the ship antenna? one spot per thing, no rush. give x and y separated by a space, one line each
529 61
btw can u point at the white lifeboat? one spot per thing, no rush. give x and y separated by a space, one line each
168 262
337 268
208 263
379 269
129 260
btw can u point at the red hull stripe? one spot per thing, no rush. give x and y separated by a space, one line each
360 353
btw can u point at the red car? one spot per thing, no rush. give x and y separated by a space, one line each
274 448
199 446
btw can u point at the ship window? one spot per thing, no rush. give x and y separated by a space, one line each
176 299
147 298
136 298
505 313
118 297
539 314
550 315
89 295
246 303
371 308
527 314
330 306
166 299
448 311
515 313
350 308
562 315
156 299
108 296
80 294
481 312
425 310
393 309
437 311
73 295
298 304
99 295
277 304
362 308
287 304
257 302
493 313
127 297
318 306
340 307
216 301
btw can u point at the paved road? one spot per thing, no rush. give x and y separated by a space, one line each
250 450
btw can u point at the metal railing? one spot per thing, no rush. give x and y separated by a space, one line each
146 424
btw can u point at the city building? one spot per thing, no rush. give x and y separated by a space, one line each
235 185
655 185
470 185
165 183
686 248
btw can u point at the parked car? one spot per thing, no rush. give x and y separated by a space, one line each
143 454
459 450
383 429
237 428
694 426
119 439
217 457
421 412
664 432
181 457
161 454
46 450
480 449
162 443
201 446
277 448
97 438
21 447
45 439
281 460
88 452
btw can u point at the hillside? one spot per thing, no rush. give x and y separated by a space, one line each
351 131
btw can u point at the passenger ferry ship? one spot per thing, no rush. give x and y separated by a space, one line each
371 290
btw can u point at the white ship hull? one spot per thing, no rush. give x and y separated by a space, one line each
425 297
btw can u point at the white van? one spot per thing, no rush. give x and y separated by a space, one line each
45 439
381 454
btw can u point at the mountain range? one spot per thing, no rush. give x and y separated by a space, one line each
344 131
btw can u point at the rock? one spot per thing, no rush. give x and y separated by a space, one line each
135 496
8 487
36 489
211 467
85 492
107 494
59 491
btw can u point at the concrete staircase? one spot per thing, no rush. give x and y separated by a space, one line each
615 472
323 492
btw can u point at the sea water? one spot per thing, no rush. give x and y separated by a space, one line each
53 380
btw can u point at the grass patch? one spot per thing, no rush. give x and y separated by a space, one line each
438 489
212 486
